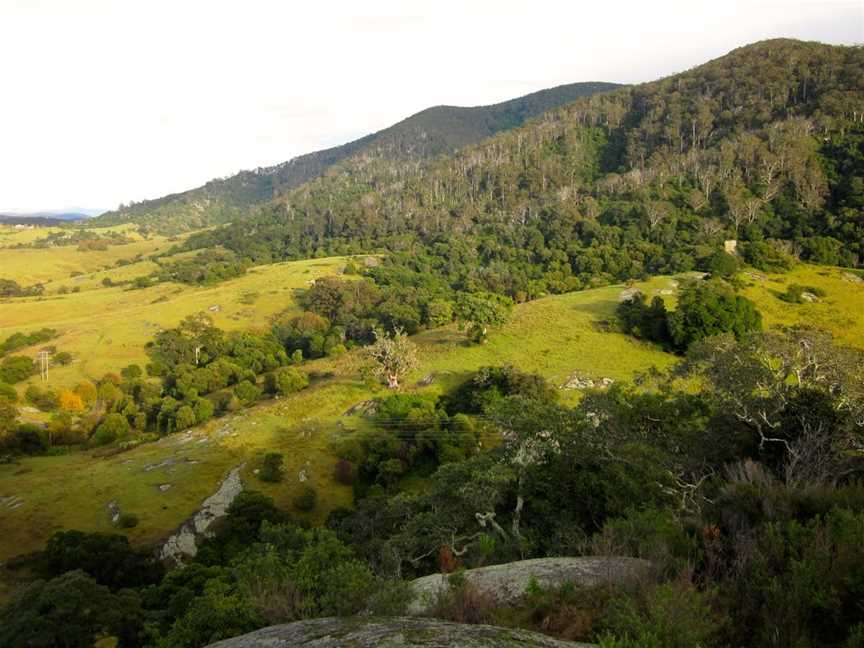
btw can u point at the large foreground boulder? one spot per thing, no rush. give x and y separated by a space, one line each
506 583
390 632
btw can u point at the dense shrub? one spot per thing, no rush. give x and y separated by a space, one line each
114 426
46 400
307 500
286 380
710 308
271 467
72 611
14 369
345 472
722 264
766 257
107 557
795 293
643 321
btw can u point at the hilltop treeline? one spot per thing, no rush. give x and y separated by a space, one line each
762 145
429 133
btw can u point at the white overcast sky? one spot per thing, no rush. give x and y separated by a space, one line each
106 101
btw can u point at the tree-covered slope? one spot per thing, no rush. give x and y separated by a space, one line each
442 129
764 143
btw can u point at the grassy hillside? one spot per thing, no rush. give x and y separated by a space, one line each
639 181
54 266
432 132
556 336
106 328
840 311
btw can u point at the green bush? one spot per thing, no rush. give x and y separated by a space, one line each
14 369
795 293
286 380
722 264
767 258
114 426
656 535
271 467
307 500
710 308
46 400
8 392
671 615
127 521
247 392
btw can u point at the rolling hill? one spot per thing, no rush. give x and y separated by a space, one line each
431 132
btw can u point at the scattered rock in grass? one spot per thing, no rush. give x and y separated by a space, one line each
114 512
170 461
756 276
11 502
302 476
427 380
627 295
809 297
367 408
215 308
164 487
184 543
578 381
852 278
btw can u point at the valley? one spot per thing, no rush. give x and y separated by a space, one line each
610 325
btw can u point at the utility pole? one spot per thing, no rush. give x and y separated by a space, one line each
43 365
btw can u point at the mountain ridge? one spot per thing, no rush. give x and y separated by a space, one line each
433 131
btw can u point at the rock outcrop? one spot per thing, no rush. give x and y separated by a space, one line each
508 582
184 543
390 632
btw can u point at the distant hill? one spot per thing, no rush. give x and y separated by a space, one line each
431 132
44 217
764 143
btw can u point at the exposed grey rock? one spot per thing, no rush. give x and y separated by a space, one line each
170 461
628 294
809 297
426 380
12 501
852 278
367 407
184 542
113 512
578 381
508 582
164 487
390 632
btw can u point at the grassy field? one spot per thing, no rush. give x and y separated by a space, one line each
555 336
106 328
841 311
53 266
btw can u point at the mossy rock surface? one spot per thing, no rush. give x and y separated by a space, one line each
508 582
390 632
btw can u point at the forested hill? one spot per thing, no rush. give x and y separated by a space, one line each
762 145
442 129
